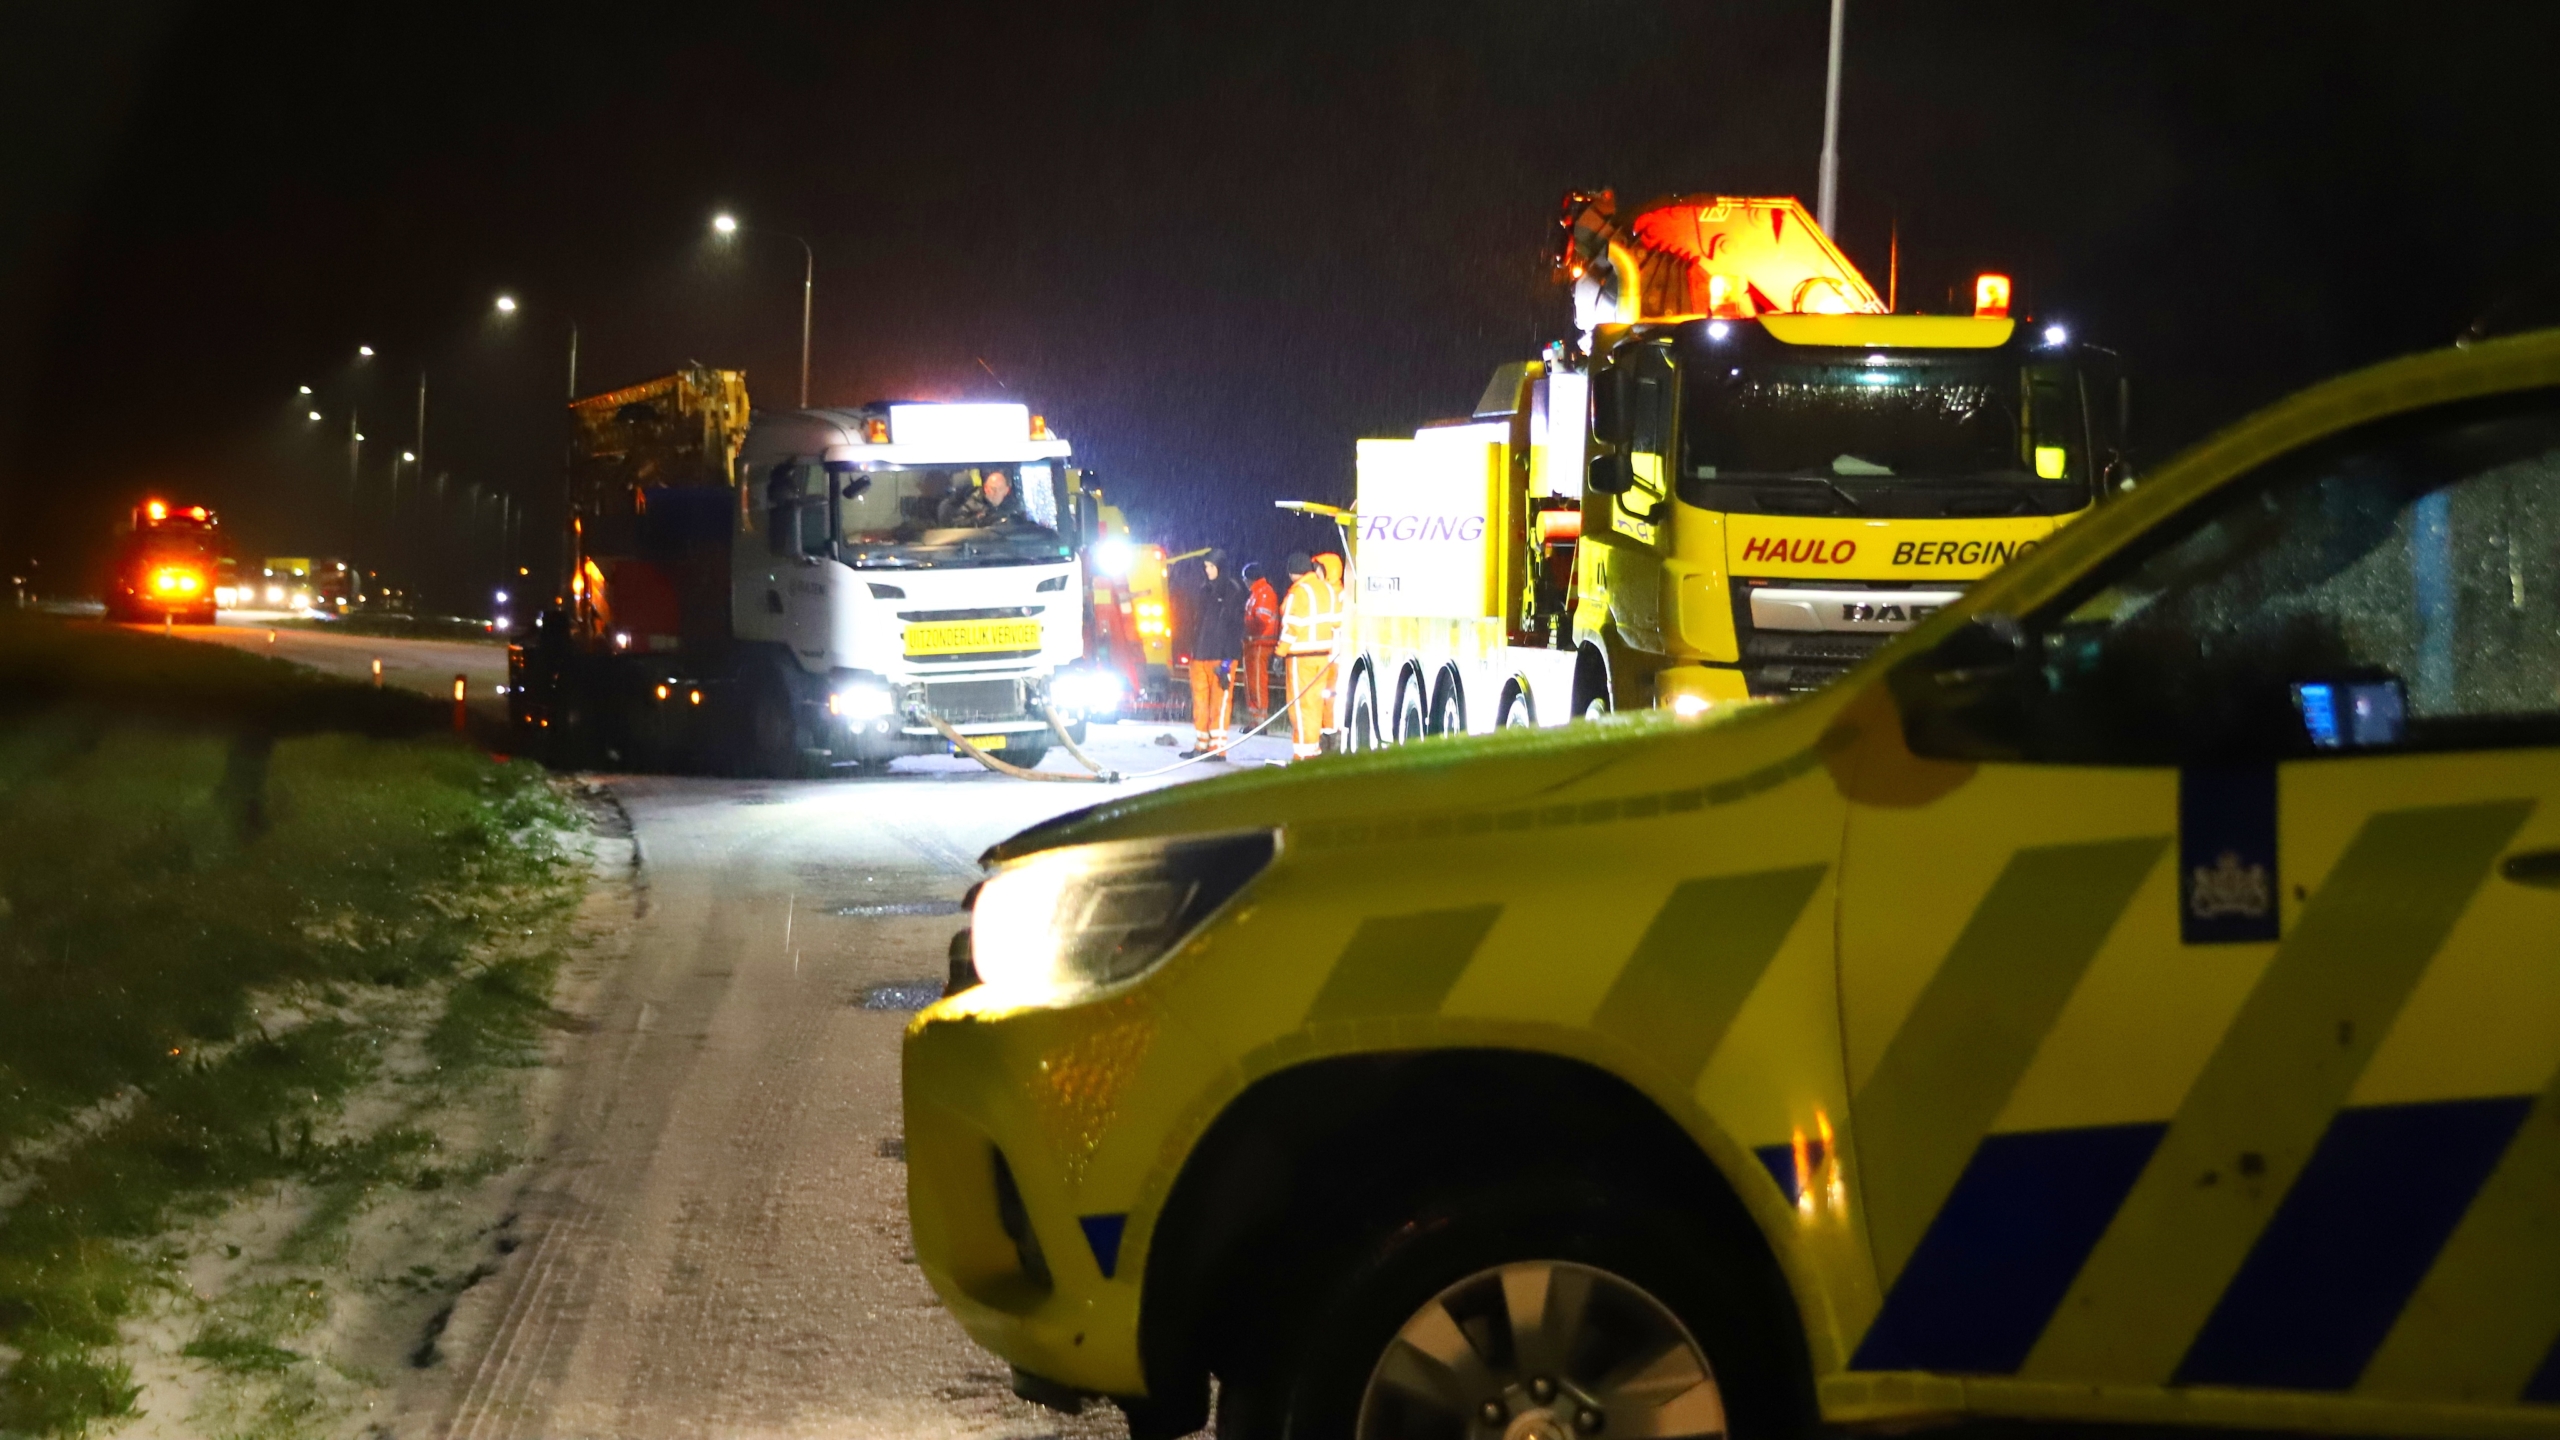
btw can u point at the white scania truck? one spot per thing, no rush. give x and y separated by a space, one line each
815 589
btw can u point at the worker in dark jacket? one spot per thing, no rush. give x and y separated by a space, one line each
1215 643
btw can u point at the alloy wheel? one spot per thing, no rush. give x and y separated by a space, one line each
1542 1350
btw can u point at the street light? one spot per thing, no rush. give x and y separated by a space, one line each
315 414
408 457
303 389
364 351
726 225
506 308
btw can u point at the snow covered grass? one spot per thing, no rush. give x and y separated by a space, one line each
260 936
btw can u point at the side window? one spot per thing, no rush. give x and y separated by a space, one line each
1651 394
2398 586
796 510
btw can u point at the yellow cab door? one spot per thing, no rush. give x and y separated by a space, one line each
1627 519
2200 957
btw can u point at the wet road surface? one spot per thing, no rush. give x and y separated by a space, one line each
716 1241
426 666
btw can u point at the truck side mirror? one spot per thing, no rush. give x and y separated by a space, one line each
1608 474
1607 419
1972 696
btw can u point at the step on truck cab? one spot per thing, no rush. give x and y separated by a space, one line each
1710 496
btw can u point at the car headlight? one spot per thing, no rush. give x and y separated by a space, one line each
1088 915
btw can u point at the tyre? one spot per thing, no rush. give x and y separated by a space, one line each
1409 720
769 738
1544 1309
1361 730
1519 711
1448 706
1590 686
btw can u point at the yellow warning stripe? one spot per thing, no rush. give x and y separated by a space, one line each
2489 1310
1698 962
2253 1115
1969 1037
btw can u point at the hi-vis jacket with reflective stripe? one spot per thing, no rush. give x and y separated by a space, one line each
1311 618
2121 1089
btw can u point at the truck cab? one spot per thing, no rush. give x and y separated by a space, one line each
167 565
1769 499
913 561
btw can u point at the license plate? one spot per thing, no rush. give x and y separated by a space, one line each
969 637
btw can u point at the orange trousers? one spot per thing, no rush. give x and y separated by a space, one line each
1310 682
1257 675
1213 694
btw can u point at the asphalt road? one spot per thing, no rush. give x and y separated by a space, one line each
714 1239
426 666
717 1243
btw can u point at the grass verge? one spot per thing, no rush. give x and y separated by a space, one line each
234 897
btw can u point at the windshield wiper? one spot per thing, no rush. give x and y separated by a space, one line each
1792 477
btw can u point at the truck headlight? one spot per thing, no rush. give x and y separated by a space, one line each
1087 692
1089 915
862 702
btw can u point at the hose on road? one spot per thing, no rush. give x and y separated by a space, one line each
1101 774
962 744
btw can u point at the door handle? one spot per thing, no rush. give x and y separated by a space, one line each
2538 868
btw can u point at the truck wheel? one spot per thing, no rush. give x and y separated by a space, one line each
770 744
1361 730
1590 685
1519 711
1026 751
1532 1311
1449 705
1409 710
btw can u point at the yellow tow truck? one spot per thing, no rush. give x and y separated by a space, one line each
1739 478
2133 995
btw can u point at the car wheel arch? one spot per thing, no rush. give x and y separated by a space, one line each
1221 1232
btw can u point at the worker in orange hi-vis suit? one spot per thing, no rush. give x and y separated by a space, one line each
1261 638
1213 636
1310 630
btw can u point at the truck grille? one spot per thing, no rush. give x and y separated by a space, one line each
963 701
991 612
1796 662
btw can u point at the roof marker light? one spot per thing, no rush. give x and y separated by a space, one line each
1990 296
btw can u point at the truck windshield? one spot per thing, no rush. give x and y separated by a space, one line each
1888 433
944 516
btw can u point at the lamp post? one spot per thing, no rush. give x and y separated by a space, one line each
1829 180
506 307
726 226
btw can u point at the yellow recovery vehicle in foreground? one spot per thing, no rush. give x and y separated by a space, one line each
1742 478
2133 995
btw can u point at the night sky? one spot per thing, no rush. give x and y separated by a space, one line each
1213 244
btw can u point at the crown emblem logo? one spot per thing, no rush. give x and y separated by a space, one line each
2228 887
